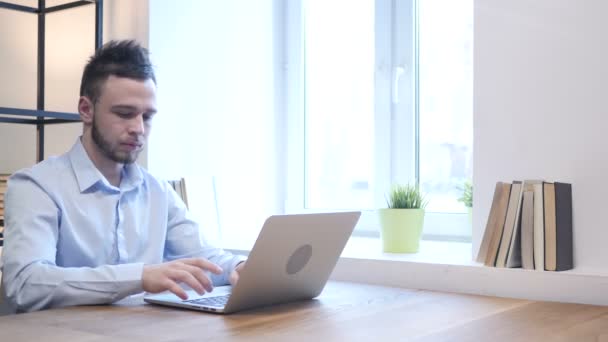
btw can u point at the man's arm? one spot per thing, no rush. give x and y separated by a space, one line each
31 278
184 240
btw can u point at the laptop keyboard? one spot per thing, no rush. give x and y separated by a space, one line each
210 301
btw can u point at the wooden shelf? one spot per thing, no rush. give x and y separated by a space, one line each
42 116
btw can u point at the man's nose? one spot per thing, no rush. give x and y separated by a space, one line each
136 125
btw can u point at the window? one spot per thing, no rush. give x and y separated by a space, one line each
379 92
315 105
339 104
446 102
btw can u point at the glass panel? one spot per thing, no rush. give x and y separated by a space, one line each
446 100
339 103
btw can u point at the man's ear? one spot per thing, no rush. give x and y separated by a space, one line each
85 109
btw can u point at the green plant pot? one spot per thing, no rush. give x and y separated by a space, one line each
401 229
470 215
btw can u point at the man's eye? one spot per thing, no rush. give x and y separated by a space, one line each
148 117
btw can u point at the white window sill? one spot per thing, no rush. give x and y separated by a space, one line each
449 267
434 252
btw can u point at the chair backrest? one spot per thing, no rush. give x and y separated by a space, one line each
4 308
179 186
3 187
202 201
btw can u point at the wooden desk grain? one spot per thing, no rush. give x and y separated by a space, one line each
343 312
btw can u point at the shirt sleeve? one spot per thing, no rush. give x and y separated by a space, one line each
30 277
185 240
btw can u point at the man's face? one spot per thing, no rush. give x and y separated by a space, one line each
122 118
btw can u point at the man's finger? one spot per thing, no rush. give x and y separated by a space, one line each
234 277
187 278
204 264
200 276
177 290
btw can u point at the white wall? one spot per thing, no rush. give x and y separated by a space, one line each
216 68
69 42
540 109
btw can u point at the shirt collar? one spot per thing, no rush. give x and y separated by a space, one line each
88 175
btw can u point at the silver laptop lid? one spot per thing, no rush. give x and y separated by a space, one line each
292 258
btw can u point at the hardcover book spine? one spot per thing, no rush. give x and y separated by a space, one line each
563 227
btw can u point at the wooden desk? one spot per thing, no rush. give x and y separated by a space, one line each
343 312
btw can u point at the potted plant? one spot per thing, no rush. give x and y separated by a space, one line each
401 223
467 198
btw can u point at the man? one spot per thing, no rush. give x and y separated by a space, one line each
91 226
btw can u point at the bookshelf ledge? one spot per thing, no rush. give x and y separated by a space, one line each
448 267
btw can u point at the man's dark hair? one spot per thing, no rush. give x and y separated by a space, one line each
125 58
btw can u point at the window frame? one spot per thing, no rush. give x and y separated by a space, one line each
396 150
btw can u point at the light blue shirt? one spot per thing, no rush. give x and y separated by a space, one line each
71 238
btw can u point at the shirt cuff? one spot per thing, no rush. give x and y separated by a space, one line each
236 260
128 279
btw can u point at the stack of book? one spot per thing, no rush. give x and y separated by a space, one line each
3 185
529 226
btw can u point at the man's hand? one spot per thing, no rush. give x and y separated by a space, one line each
168 275
234 276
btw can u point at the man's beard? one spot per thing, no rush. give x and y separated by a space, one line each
106 147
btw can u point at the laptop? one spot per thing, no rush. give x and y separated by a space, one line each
291 260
